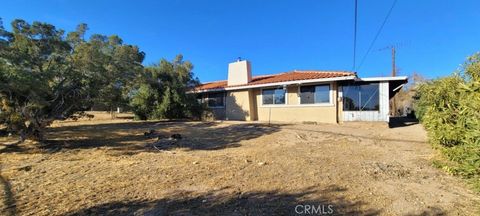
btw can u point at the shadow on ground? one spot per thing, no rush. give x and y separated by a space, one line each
401 122
6 196
129 136
251 203
343 134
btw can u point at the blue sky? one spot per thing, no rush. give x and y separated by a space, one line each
433 37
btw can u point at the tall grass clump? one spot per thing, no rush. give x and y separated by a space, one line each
449 109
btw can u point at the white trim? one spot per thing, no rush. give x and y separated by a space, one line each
382 78
313 105
297 82
296 105
330 96
399 87
372 111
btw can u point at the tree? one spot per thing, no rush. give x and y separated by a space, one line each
116 64
46 76
161 92
404 99
35 88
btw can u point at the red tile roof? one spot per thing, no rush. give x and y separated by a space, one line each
276 78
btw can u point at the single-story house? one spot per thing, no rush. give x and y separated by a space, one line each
299 96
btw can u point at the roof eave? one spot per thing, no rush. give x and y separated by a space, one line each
371 79
298 82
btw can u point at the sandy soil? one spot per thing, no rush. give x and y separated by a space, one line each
104 166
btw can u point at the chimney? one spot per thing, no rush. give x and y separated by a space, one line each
239 72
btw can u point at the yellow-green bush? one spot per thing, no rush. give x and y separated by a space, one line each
449 108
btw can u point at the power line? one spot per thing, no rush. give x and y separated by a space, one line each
378 33
355 37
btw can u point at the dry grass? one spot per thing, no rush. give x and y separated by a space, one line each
104 166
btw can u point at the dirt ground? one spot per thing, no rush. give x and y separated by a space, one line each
109 167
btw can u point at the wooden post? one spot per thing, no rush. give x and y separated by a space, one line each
394 70
394 73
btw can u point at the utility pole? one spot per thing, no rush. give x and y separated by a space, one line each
394 73
393 106
393 48
394 69
355 38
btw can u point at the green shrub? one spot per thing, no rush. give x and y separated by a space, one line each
449 109
161 92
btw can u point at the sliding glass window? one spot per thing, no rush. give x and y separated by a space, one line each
273 96
361 97
315 94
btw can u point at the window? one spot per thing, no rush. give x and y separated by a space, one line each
273 96
216 99
315 94
361 97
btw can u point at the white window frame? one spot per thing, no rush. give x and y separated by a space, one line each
330 103
274 105
379 99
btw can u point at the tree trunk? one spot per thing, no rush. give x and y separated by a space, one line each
32 132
